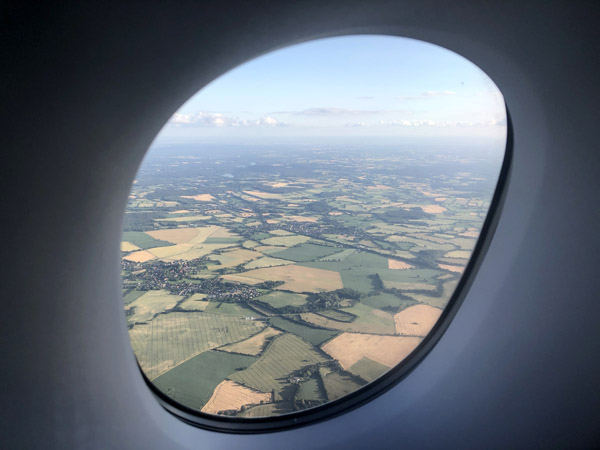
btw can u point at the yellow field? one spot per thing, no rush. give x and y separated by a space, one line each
378 187
267 261
264 195
175 235
348 348
286 241
458 254
253 345
128 247
295 278
408 286
417 320
195 305
151 303
451 268
472 234
268 249
234 257
230 395
200 197
141 256
280 233
301 219
400 265
222 232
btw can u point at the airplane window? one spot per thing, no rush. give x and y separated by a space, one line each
298 227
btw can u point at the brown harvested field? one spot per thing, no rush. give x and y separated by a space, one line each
186 235
451 268
264 195
453 261
472 234
175 235
295 278
200 197
417 320
407 286
458 254
335 213
128 247
254 344
349 348
400 265
141 256
230 395
180 211
223 233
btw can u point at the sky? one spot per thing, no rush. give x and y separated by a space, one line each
345 87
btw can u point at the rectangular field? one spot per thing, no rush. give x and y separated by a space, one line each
193 382
313 335
296 278
286 354
170 339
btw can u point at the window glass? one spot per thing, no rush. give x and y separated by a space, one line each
299 225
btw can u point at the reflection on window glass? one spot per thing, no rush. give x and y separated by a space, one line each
298 226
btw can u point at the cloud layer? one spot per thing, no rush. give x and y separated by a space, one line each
215 120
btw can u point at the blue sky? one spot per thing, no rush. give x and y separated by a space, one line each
345 87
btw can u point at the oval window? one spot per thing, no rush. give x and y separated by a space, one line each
298 227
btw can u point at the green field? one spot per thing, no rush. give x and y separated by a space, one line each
270 409
368 320
309 391
132 295
235 309
280 299
340 316
355 269
223 240
387 301
170 339
193 382
286 354
313 335
338 385
368 369
143 240
305 252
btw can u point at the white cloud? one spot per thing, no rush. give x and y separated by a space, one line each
211 120
428 123
330 111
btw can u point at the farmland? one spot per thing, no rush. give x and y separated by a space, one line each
260 283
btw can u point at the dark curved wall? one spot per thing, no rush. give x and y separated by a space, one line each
86 86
